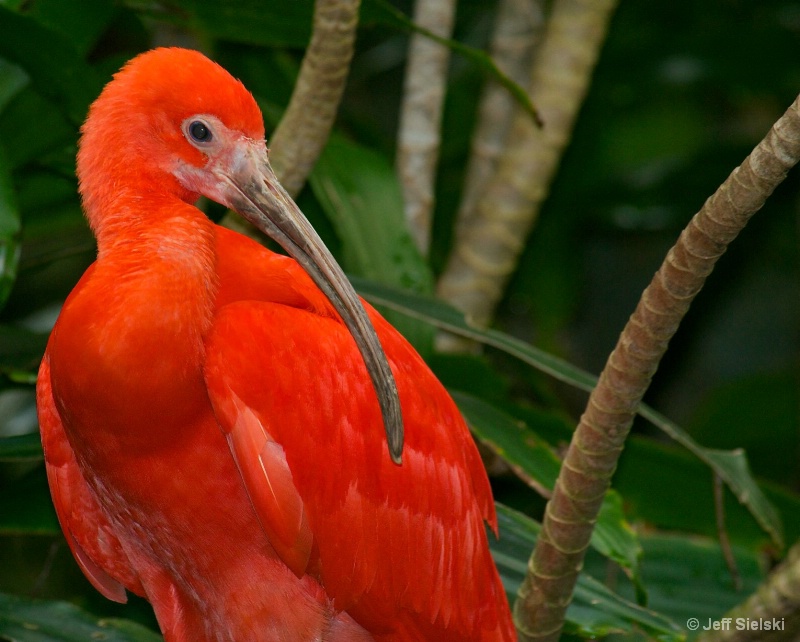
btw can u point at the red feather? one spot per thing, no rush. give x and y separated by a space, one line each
213 440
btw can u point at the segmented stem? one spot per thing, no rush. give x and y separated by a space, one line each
517 31
599 438
487 250
419 136
307 122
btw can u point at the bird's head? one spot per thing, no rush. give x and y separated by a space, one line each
172 123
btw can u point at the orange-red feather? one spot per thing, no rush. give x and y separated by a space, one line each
393 541
401 549
212 439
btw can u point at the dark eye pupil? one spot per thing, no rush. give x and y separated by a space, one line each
200 132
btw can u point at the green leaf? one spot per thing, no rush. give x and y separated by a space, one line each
26 620
469 373
595 610
44 190
20 349
687 577
12 79
18 412
445 317
34 126
685 501
537 464
532 459
71 84
756 410
275 24
614 537
382 11
360 194
21 447
80 22
9 229
731 466
25 506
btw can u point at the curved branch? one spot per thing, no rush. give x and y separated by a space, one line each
421 115
599 438
486 253
306 124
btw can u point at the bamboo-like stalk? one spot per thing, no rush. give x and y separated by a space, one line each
599 438
306 124
421 115
777 601
517 31
487 251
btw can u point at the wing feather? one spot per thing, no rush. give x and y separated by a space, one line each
262 464
404 545
88 532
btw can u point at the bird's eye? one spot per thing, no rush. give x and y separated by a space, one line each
200 132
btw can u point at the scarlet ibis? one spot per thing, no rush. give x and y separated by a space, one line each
213 432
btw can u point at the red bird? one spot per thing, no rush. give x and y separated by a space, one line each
211 429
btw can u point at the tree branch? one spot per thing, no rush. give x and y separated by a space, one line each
421 115
599 438
517 31
307 122
486 252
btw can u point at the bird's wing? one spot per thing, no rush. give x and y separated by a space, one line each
86 528
388 542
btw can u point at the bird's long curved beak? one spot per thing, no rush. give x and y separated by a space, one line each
257 195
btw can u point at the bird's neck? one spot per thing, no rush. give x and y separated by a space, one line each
163 248
134 210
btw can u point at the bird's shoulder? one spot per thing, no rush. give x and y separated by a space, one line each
248 271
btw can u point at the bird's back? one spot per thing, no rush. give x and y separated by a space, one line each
400 544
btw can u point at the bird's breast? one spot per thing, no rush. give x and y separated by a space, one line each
126 357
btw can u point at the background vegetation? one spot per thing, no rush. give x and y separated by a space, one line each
681 93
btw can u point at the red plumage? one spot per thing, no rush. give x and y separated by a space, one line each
212 436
